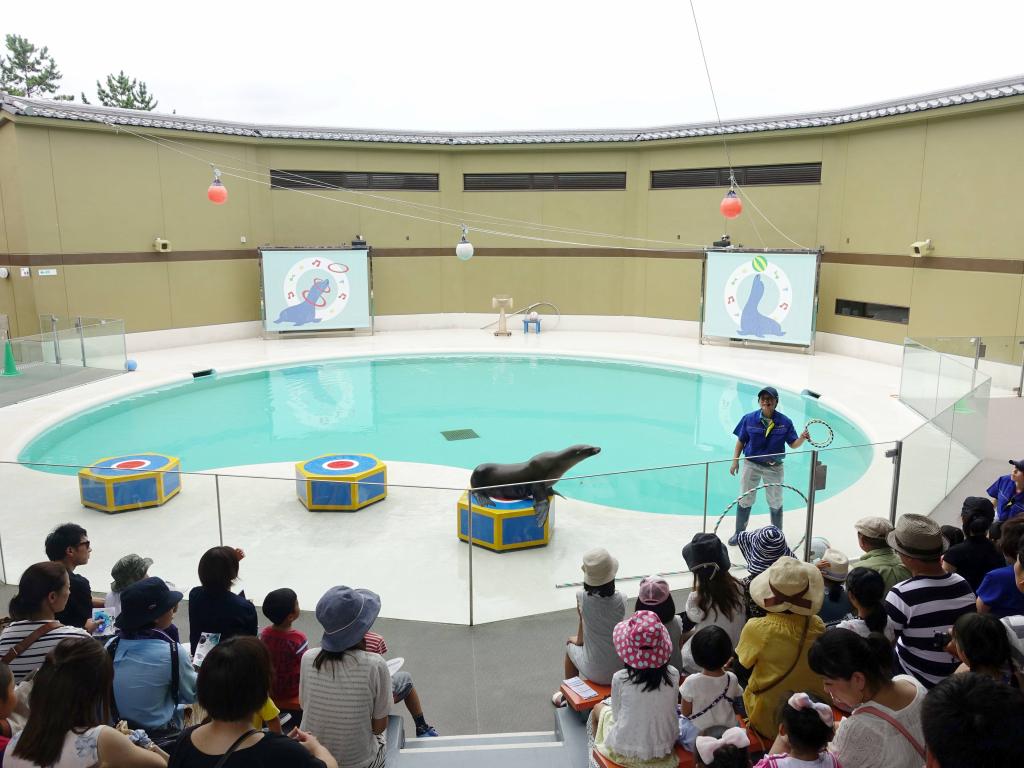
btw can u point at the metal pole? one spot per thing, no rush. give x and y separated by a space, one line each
56 339
1020 384
3 563
896 454
220 526
469 530
704 524
809 529
81 337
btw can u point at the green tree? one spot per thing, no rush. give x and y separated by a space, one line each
29 71
124 92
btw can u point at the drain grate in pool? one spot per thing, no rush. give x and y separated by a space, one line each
460 434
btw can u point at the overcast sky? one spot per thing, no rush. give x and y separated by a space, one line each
457 65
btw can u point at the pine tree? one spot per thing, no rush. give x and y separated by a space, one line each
29 71
124 92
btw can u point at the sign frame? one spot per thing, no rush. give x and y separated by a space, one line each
294 332
753 341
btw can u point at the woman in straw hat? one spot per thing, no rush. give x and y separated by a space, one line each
590 653
774 646
639 728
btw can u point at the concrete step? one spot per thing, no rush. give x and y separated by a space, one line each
480 740
542 754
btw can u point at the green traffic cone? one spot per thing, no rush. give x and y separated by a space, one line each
10 369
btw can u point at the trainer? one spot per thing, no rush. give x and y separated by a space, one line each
1007 493
762 437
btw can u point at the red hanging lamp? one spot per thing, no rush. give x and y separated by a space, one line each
217 193
731 205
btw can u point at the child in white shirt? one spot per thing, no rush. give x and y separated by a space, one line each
708 697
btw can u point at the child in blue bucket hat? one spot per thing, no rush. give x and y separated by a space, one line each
345 691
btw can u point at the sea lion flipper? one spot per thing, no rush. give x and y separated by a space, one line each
541 504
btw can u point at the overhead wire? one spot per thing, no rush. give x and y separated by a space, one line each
463 214
725 144
455 224
460 216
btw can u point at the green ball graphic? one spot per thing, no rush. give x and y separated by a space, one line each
760 263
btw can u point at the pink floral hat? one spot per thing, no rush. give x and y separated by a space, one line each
642 641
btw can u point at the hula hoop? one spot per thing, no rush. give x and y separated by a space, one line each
812 441
739 498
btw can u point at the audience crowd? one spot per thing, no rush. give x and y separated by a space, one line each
909 654
116 687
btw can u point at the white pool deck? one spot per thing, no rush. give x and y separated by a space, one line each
405 547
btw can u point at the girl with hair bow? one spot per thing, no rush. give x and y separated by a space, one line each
805 730
722 747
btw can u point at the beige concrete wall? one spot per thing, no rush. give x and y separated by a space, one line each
951 175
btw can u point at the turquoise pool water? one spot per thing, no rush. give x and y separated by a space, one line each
397 407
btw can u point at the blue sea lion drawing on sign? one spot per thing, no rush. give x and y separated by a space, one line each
752 322
304 312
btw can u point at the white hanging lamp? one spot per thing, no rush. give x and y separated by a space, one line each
464 250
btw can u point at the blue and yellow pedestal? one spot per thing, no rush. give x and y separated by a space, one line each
137 481
341 482
501 525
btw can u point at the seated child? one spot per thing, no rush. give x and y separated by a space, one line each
805 729
8 700
402 688
286 646
590 653
708 697
656 596
268 718
639 729
720 747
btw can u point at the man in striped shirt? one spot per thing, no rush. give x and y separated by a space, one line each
926 604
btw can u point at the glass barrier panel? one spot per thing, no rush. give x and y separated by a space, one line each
969 431
104 345
835 510
28 350
925 466
643 518
38 498
919 378
956 380
403 546
1002 361
964 348
1003 349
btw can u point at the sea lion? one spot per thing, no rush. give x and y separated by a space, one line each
752 322
305 311
534 479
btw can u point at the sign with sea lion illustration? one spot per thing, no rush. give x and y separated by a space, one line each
308 290
760 296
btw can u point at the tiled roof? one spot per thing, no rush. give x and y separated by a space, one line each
62 110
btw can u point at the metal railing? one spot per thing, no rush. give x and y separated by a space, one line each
262 514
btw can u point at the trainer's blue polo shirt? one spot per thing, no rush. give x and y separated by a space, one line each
1009 503
760 439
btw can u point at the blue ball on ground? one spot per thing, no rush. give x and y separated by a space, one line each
130 365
